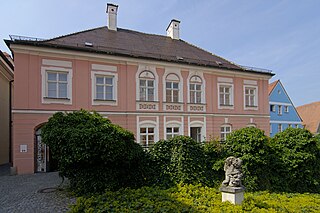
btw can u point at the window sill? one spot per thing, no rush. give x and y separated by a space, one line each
52 100
104 102
251 107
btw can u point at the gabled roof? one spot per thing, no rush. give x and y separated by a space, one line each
5 58
135 44
310 114
272 86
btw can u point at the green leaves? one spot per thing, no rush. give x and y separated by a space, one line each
93 153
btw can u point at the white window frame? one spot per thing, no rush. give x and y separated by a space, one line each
148 124
279 110
286 109
255 106
140 71
270 128
224 132
203 86
231 104
197 124
172 78
279 127
273 107
195 91
44 85
94 75
172 124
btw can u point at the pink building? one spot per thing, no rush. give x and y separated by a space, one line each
155 86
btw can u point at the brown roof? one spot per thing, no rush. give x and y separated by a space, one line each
272 86
6 57
130 43
310 113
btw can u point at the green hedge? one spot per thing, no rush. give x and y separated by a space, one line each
178 160
194 198
93 153
298 156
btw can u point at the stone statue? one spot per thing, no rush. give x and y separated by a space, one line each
233 172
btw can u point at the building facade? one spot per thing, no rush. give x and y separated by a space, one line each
283 114
155 86
310 114
6 78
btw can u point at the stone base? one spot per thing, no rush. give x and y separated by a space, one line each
234 195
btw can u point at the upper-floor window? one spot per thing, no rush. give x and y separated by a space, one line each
104 88
57 84
279 110
286 109
195 86
225 130
172 88
272 108
147 86
225 95
251 97
279 127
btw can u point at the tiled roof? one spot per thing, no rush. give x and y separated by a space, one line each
272 86
135 44
310 114
6 57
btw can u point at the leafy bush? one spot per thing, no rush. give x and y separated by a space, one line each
252 146
93 153
299 158
178 160
215 156
194 198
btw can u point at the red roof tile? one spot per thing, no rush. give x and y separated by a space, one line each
310 113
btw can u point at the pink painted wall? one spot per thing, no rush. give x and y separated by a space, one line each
27 96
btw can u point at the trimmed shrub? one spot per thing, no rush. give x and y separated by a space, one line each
178 160
215 156
299 157
93 153
190 198
252 146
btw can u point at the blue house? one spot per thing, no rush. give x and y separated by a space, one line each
283 114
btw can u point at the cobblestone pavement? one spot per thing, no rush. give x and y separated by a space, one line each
33 193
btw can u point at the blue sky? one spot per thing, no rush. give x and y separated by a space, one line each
283 36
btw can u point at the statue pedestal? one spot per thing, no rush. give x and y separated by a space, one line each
234 195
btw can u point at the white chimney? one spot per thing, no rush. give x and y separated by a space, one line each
112 10
173 29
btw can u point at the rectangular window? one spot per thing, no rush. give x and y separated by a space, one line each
286 109
172 92
104 88
279 110
297 125
195 93
289 125
225 95
279 127
250 97
270 128
195 133
224 132
272 108
57 84
146 90
147 136
172 132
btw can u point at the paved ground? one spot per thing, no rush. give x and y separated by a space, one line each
32 193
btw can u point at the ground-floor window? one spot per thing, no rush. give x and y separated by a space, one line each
147 136
172 132
195 133
224 131
279 127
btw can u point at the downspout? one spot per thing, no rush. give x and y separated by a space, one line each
10 123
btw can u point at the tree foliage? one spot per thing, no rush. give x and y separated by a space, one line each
299 160
93 153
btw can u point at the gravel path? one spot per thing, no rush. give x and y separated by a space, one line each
33 193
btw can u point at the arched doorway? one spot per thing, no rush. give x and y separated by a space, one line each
43 157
